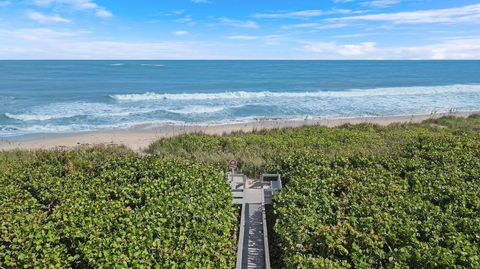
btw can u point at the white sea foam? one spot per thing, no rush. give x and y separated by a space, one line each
220 108
198 109
29 117
394 91
74 128
78 109
116 64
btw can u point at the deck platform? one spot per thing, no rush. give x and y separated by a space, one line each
253 195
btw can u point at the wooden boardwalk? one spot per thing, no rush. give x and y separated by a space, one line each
252 251
253 255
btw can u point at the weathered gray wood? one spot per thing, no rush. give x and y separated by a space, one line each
253 243
241 237
253 249
266 249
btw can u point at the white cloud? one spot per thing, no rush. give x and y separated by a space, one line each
315 26
332 26
302 14
127 50
50 44
36 34
300 25
77 5
272 40
329 48
470 13
359 49
381 3
5 3
459 48
201 2
42 18
178 11
356 35
238 23
187 20
45 43
103 13
244 37
180 33
294 14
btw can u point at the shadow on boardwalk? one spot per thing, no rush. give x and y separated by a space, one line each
253 245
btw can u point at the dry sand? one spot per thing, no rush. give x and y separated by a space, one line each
140 137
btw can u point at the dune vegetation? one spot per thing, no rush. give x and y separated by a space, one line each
110 208
362 196
355 196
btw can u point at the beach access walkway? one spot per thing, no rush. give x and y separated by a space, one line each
253 195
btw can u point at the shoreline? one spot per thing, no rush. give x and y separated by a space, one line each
140 137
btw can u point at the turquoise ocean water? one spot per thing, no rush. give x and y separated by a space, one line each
39 97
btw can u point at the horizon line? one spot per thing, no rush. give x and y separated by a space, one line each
338 60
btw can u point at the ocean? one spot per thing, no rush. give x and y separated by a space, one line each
41 97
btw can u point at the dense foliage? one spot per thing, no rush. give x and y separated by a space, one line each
109 208
419 210
363 196
356 196
254 151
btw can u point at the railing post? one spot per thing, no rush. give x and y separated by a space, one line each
241 236
265 233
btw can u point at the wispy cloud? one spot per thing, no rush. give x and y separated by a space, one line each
300 25
470 13
238 23
103 13
178 11
329 48
180 33
297 31
302 14
266 39
108 50
459 48
356 35
45 43
37 34
314 25
48 19
77 5
244 37
187 19
381 3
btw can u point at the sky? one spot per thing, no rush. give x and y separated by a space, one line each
240 29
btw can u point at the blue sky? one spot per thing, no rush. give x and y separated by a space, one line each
239 29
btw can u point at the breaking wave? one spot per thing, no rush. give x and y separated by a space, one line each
198 109
77 109
427 90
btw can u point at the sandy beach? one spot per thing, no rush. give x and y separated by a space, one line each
140 137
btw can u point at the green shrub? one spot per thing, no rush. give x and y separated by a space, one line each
91 209
419 208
